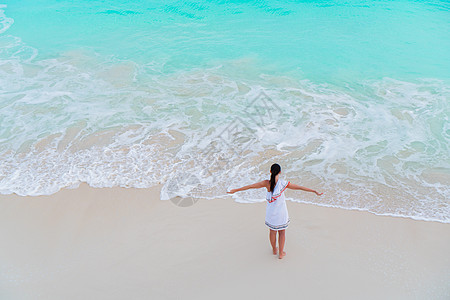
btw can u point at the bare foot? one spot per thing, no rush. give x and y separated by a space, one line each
282 255
275 251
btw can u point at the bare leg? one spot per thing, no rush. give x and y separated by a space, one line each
281 240
273 241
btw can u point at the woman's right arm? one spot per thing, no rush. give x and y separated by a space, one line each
297 187
251 186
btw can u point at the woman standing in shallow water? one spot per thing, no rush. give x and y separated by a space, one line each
277 218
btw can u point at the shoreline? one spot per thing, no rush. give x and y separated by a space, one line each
124 242
413 218
291 198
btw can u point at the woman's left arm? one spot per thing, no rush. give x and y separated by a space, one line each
293 186
247 187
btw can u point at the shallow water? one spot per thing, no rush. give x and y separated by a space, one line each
350 97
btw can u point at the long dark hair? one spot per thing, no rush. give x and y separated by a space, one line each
274 170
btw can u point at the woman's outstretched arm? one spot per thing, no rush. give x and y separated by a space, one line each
297 187
251 186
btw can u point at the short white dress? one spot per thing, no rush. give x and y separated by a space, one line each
277 217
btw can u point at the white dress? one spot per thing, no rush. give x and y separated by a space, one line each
277 217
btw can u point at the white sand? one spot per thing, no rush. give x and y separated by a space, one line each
127 244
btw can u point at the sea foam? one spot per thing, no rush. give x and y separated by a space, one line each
380 145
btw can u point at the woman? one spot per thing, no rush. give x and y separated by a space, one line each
277 218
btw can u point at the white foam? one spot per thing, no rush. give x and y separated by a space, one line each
68 119
5 22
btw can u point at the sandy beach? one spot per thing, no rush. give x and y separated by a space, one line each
118 243
160 98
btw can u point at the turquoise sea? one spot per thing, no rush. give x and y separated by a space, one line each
350 97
